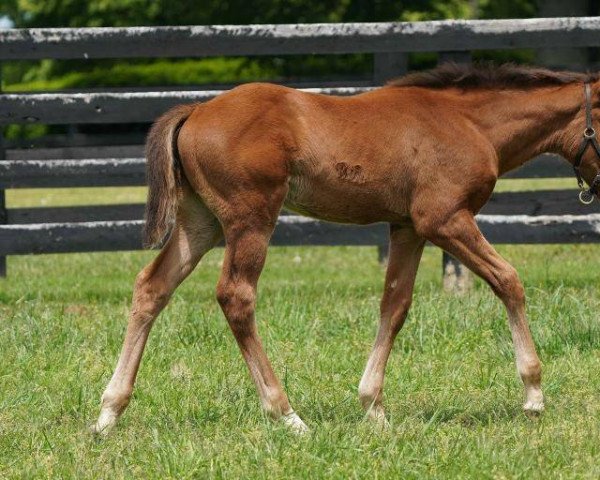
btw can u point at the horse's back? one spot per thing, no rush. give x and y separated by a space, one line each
348 159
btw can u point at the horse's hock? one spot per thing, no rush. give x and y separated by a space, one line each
546 216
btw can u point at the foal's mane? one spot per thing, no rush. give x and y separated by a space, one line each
487 75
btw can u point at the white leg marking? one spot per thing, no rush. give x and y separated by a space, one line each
534 403
371 385
528 363
293 421
106 421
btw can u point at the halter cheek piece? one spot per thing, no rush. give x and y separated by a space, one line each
586 196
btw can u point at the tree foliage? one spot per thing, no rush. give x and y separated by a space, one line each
103 13
58 75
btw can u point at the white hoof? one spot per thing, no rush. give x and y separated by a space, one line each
376 415
295 423
106 421
533 408
380 422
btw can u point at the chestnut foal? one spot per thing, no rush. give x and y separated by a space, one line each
422 153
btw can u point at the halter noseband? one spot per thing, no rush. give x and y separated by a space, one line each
589 137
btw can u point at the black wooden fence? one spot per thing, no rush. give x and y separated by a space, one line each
524 217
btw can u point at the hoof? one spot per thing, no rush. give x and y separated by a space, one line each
106 421
96 432
379 421
295 423
382 423
533 409
376 415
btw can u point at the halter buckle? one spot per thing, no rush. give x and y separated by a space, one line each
589 133
586 197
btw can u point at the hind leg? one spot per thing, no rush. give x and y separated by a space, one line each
247 234
196 231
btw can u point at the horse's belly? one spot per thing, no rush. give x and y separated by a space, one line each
339 202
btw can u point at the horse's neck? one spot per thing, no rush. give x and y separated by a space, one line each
521 125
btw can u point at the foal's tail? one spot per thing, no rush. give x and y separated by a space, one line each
163 174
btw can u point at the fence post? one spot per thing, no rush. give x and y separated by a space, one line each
387 65
456 278
3 213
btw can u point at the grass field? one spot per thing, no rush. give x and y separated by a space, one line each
452 393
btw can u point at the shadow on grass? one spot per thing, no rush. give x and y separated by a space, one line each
469 417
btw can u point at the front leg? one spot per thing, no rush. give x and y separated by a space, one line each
460 236
405 252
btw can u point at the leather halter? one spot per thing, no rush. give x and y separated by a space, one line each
586 196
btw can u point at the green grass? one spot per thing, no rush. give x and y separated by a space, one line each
57 197
452 393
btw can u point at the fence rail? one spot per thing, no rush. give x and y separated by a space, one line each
323 38
291 230
552 216
121 107
535 203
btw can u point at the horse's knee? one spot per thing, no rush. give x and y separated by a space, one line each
399 314
393 312
237 300
507 285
